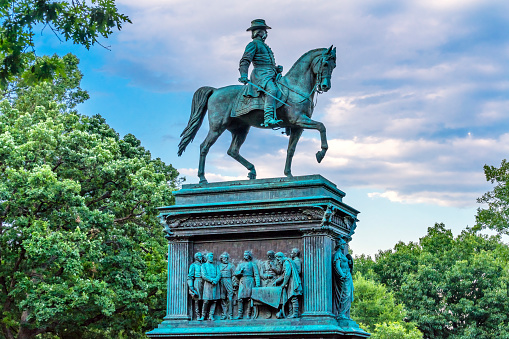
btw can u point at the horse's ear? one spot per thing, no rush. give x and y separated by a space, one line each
334 52
329 50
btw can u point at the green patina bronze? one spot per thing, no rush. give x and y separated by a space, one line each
284 271
268 100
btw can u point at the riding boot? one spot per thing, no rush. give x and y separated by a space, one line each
197 310
295 306
224 306
212 310
269 109
268 118
248 311
204 310
240 313
230 309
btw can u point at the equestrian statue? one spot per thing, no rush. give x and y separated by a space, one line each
267 100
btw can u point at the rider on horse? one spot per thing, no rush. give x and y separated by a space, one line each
264 70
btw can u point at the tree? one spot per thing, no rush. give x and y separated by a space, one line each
460 287
73 20
496 216
376 311
81 249
455 287
392 266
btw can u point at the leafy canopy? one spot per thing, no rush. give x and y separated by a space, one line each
81 249
76 20
452 287
376 311
496 215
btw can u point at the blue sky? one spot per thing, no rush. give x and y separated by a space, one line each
419 99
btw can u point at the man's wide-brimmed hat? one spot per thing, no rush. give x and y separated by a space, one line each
258 24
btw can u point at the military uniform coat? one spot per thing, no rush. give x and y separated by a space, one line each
291 278
298 264
264 65
226 284
194 279
249 278
209 273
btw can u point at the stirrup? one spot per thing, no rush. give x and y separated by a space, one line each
271 123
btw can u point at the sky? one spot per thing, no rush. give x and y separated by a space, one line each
419 100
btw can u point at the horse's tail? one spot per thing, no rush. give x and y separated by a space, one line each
198 110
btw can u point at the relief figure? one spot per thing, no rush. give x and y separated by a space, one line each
227 271
249 277
195 283
291 282
211 276
343 288
270 270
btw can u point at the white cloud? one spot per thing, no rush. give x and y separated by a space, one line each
419 101
432 198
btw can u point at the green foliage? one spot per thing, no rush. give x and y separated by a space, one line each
64 88
452 287
496 215
395 330
376 310
73 20
81 249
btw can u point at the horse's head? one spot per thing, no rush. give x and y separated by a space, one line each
323 65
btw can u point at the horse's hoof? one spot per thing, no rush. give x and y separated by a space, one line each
289 175
319 156
203 181
251 176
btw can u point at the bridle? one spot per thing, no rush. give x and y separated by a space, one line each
324 63
319 63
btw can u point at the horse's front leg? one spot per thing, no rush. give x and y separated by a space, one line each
305 122
295 134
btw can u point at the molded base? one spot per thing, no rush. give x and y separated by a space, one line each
271 328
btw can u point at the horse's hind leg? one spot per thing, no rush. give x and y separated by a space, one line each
204 150
295 134
238 137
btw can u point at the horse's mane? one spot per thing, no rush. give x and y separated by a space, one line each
305 55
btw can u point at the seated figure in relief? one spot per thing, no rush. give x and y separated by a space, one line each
270 270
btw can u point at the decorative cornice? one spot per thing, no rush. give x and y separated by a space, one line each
327 217
257 205
236 219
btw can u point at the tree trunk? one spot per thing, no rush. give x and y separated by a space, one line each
24 331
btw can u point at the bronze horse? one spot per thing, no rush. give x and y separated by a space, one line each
309 75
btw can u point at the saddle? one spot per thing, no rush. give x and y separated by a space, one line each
250 99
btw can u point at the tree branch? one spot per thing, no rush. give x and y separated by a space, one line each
104 196
16 265
60 162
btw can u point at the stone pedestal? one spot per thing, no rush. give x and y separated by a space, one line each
277 214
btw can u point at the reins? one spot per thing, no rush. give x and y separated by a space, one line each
314 90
